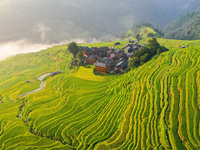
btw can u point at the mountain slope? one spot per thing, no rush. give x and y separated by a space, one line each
154 106
187 27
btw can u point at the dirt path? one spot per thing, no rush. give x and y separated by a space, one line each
43 76
42 85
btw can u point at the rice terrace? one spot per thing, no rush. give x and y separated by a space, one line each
155 106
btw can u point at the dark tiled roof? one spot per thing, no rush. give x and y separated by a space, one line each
112 55
130 49
106 59
101 64
117 43
122 64
129 54
92 57
119 50
101 49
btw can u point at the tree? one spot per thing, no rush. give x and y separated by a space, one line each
138 37
158 51
141 51
134 62
153 46
80 55
151 35
144 58
73 48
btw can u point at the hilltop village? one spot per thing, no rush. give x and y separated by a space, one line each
108 59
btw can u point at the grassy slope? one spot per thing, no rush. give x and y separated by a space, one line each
143 32
154 106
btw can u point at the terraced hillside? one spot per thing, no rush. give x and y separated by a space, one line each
156 106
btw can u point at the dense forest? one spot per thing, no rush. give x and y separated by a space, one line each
185 28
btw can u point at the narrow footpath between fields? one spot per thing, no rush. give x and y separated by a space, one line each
42 85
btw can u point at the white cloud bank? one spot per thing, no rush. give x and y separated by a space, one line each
21 46
24 46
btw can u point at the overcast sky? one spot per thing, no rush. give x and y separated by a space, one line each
57 20
53 21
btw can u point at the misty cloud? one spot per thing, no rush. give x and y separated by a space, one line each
42 29
21 46
12 48
50 21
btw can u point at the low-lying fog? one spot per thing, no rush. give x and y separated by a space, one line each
22 46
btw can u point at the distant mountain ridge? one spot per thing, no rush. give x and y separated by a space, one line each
194 5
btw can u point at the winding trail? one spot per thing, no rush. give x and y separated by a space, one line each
42 85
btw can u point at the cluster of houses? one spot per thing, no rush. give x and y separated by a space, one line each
108 59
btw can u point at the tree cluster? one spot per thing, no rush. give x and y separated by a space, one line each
138 37
76 50
136 28
144 54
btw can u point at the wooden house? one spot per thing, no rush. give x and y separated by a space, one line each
100 51
87 51
119 53
94 51
113 56
129 54
122 65
129 49
91 59
112 50
101 67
